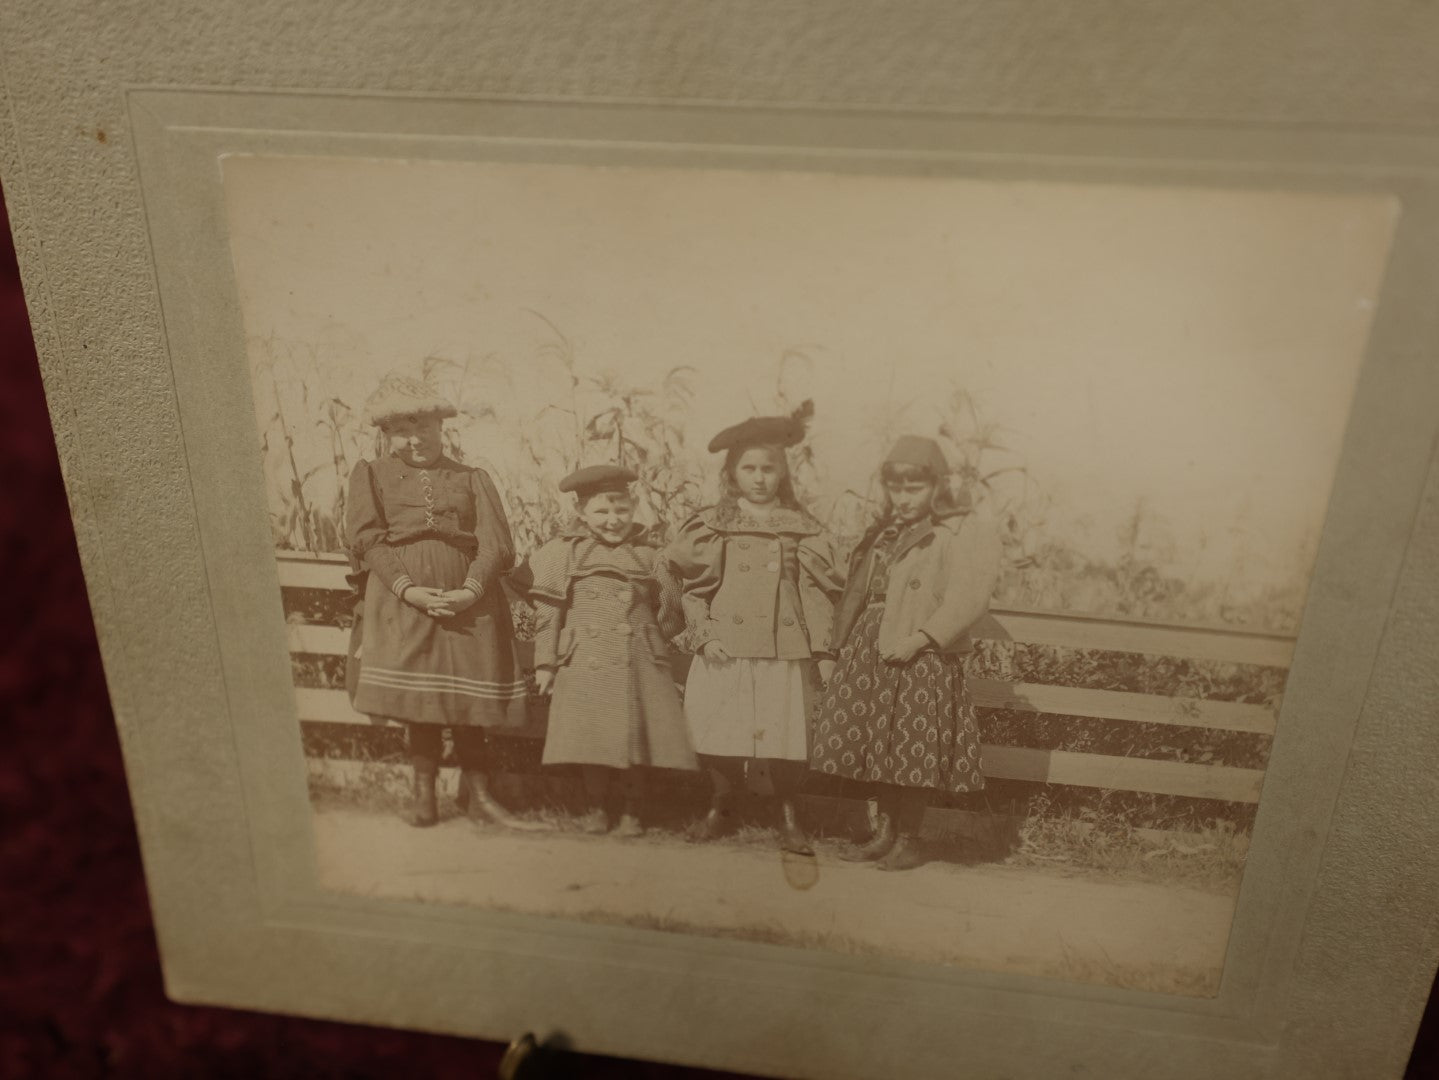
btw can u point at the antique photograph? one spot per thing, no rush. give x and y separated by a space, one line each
895 566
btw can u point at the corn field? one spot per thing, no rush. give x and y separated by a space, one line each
310 442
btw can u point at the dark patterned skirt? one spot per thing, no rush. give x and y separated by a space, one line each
455 671
907 724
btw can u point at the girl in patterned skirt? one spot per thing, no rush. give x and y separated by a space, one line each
897 715
429 539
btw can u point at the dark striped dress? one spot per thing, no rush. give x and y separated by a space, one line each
440 527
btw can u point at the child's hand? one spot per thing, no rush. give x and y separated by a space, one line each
432 602
826 671
544 681
458 599
906 650
425 599
713 650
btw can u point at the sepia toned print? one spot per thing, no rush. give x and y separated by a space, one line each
938 599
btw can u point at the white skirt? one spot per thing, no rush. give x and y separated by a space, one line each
750 708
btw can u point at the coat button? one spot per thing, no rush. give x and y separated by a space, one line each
914 583
772 567
739 618
744 566
774 545
788 621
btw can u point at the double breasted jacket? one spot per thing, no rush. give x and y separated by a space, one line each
603 617
631 575
764 588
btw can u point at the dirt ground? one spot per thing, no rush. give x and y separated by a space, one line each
998 918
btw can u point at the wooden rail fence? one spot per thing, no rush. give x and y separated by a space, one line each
1220 782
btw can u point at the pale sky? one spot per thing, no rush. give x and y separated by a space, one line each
1195 348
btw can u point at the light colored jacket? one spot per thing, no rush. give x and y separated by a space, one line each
762 589
940 580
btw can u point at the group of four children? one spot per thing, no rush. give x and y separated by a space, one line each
799 663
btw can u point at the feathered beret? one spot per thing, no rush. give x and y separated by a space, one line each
765 431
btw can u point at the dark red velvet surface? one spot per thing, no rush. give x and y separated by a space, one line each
80 991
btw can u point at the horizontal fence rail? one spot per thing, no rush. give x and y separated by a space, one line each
301 571
1203 781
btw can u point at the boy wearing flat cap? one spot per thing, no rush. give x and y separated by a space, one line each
605 609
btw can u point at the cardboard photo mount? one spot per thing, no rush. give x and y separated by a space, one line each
112 153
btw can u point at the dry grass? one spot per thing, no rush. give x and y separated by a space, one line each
1091 843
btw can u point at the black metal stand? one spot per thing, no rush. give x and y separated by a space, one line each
527 1058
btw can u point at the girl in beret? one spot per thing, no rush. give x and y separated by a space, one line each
431 538
760 582
605 609
897 715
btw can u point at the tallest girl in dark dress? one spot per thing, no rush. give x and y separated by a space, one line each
431 539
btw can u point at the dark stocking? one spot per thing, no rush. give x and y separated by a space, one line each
424 745
786 776
597 782
907 806
911 803
597 788
470 753
472 750
632 789
726 775
886 831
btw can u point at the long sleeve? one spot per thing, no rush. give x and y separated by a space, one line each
544 573
821 583
696 557
543 579
494 545
972 565
549 619
368 532
670 614
856 588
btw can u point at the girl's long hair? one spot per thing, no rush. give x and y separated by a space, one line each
947 502
727 509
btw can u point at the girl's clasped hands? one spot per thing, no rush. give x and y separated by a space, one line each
439 603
